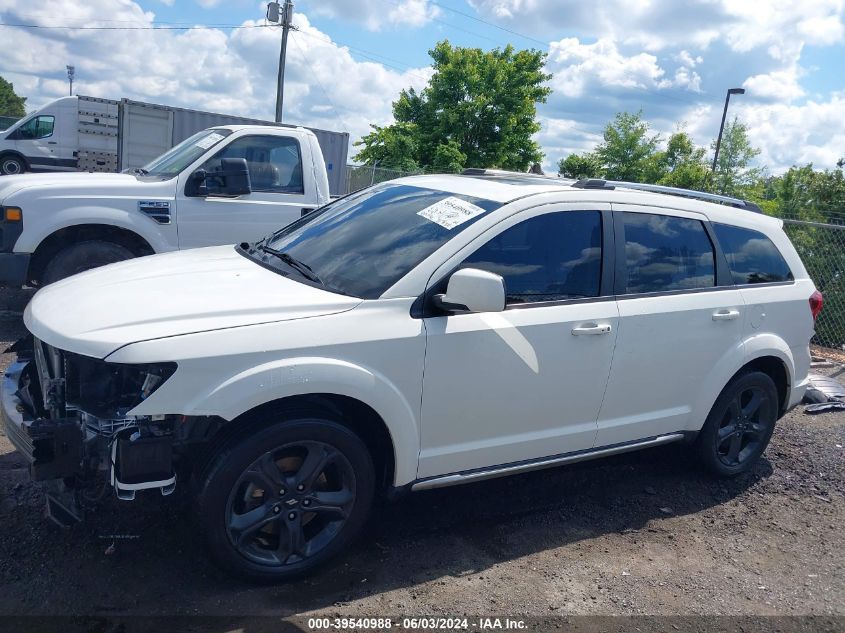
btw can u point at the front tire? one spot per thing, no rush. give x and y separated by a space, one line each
83 256
286 499
739 426
12 166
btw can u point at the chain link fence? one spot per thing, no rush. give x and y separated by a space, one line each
822 249
360 176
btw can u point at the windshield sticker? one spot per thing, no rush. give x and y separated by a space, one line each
209 140
451 212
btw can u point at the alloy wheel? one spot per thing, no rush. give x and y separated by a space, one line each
290 503
744 427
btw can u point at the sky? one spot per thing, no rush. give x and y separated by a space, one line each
348 60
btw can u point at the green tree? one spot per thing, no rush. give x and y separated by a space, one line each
579 166
10 103
392 147
448 158
479 105
628 149
734 173
682 164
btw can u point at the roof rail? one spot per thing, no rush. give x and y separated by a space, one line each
598 183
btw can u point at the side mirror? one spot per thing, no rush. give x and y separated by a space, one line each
473 290
231 179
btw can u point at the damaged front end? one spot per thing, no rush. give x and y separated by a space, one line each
67 414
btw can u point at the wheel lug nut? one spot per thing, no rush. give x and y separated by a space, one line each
300 487
292 516
306 502
282 492
277 509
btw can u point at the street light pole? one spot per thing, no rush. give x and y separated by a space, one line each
71 71
286 17
731 91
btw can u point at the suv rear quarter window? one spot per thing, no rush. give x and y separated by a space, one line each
664 253
752 257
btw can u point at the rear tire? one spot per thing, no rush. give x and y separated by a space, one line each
83 256
739 426
286 499
12 166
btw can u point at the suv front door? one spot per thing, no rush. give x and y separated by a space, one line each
278 183
527 382
681 323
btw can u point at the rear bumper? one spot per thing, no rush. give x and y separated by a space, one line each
13 269
52 448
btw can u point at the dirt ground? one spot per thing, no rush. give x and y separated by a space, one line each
643 533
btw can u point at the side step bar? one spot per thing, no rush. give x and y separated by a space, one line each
544 462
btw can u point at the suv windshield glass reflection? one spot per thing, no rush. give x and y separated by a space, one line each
364 243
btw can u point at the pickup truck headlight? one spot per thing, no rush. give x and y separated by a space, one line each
12 214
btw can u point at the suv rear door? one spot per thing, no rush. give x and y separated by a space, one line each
527 382
681 323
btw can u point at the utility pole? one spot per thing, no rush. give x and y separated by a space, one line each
71 71
731 91
283 16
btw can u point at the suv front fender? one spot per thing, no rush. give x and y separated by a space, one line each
285 378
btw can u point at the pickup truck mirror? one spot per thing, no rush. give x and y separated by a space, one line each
231 179
472 290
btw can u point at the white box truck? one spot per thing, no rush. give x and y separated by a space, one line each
91 134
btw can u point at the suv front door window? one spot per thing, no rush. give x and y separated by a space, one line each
520 384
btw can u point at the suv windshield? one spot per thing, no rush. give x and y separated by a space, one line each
174 160
362 244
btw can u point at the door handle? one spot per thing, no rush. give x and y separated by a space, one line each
725 315
52 143
603 328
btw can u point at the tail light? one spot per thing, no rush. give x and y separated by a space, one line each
816 303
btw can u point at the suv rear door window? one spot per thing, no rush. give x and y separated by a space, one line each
551 257
666 253
752 257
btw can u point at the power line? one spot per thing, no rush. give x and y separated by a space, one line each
319 83
135 28
492 24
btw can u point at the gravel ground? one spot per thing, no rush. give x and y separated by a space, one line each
643 533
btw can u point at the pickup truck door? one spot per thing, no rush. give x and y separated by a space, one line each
282 188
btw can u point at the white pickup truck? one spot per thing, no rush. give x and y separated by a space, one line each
222 185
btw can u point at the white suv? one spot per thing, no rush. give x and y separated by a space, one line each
424 332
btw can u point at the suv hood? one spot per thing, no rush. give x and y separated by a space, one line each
73 184
96 312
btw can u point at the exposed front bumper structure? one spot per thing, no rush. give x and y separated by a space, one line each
52 448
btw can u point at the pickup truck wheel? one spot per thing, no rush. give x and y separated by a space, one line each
83 256
11 166
286 499
739 426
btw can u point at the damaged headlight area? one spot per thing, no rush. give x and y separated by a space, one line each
70 416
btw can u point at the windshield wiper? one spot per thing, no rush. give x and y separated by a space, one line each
304 269
140 171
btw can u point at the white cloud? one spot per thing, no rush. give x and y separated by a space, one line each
209 69
205 4
375 14
579 68
778 85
